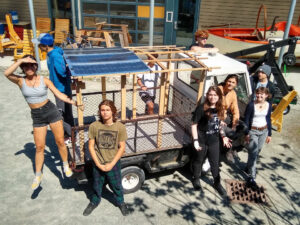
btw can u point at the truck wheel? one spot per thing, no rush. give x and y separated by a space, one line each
287 110
132 179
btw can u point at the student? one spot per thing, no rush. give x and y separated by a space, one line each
60 77
262 79
200 44
107 139
206 130
43 112
148 83
258 120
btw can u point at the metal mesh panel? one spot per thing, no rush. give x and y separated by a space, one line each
172 130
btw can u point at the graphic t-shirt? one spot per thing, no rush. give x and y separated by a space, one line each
107 139
213 125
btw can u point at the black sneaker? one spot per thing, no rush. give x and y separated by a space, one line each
89 209
252 184
124 209
219 188
196 184
229 156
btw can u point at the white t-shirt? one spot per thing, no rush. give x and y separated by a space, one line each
150 80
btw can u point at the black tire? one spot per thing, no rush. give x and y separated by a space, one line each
287 110
132 179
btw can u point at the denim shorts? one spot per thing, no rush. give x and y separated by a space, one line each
45 115
147 98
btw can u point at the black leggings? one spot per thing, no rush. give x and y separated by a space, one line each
210 147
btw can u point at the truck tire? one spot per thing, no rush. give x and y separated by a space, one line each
132 178
287 110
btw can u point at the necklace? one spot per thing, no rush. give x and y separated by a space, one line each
30 83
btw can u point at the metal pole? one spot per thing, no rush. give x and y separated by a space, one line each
73 16
79 14
151 22
287 30
34 40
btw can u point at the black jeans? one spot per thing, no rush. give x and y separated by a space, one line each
210 147
66 111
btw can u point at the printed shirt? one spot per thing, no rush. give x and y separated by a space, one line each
107 139
150 80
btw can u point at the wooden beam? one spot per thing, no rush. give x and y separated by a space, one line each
161 109
169 65
123 97
103 88
134 96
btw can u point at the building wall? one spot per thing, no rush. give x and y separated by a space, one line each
21 6
217 12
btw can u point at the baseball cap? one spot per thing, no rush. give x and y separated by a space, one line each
45 39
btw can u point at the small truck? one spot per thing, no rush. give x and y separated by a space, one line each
155 142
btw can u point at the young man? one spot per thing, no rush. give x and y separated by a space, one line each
148 83
261 79
201 45
60 77
107 139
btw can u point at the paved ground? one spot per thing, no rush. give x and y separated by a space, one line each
164 198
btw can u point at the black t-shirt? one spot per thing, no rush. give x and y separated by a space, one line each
205 46
205 124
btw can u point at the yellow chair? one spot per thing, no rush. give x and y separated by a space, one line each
28 47
277 114
43 24
62 29
13 36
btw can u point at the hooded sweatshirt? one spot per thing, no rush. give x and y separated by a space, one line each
59 74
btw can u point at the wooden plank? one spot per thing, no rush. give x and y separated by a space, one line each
107 40
134 96
123 97
169 65
125 33
103 86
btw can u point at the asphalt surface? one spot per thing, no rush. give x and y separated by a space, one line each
165 198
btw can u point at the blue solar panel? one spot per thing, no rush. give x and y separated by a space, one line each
101 61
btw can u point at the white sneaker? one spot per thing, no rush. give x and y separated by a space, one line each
36 182
67 170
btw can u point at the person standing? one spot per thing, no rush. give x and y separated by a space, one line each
258 121
206 131
148 83
107 139
60 76
201 45
43 112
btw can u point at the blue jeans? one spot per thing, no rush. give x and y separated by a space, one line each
257 140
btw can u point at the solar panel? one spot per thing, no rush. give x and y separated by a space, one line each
101 61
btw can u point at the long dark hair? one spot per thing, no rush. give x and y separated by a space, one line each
30 56
112 106
235 76
219 105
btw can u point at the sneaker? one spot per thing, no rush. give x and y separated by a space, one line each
68 141
89 209
67 170
196 183
252 184
36 182
124 209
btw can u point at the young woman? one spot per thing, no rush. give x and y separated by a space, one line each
107 138
201 45
258 120
43 112
206 130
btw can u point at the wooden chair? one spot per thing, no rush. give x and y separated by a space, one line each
62 29
13 36
28 47
5 43
43 24
277 114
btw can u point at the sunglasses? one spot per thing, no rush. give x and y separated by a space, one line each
28 65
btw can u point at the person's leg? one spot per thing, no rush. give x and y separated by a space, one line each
197 162
150 107
261 141
58 132
39 134
63 108
252 153
98 182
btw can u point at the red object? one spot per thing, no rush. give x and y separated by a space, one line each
18 29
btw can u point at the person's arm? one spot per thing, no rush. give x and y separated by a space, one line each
199 49
140 83
226 141
196 144
93 154
247 120
9 72
120 152
60 66
269 124
57 93
234 107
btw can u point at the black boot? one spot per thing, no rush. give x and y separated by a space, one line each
219 188
196 183
124 209
89 209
